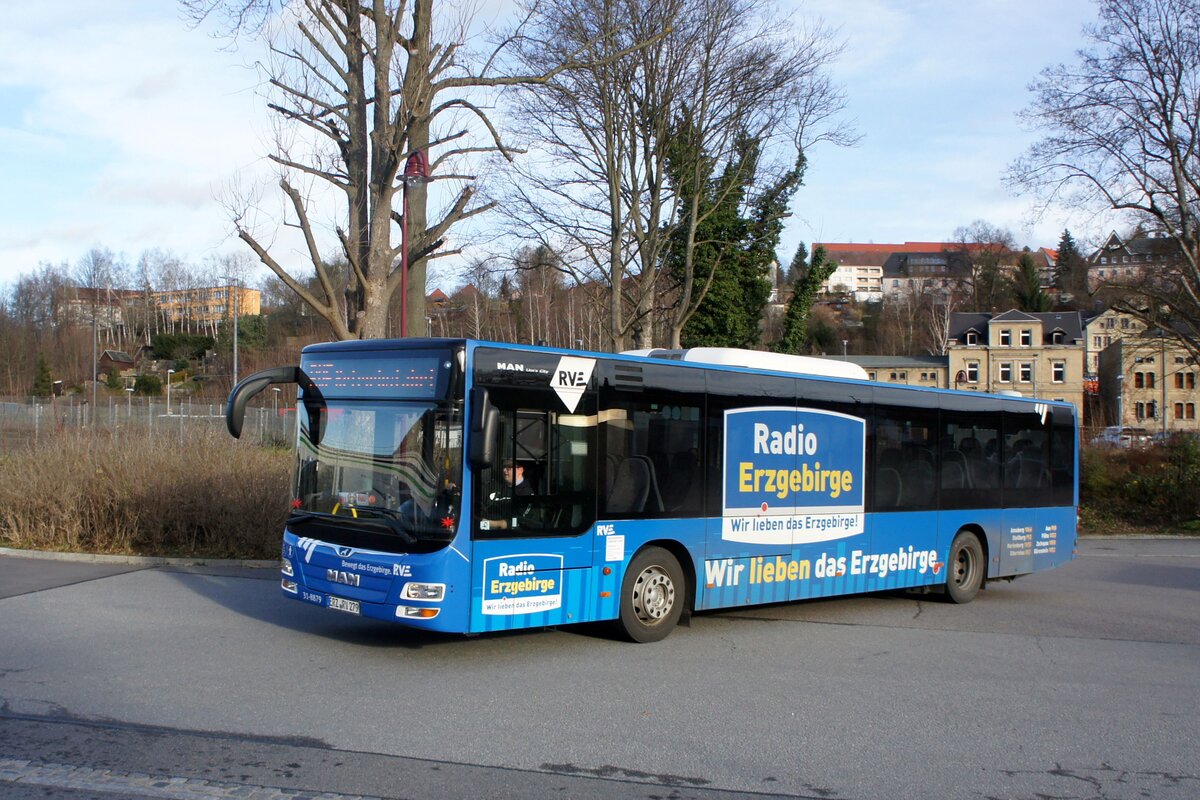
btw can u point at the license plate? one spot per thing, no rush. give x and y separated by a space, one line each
340 604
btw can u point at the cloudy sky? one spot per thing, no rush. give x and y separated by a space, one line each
121 127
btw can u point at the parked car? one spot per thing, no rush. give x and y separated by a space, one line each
1122 436
1166 436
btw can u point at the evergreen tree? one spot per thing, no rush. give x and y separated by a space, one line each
1027 286
718 320
740 251
147 385
1070 273
770 209
804 292
799 265
43 384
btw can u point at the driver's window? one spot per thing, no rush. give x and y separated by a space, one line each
541 482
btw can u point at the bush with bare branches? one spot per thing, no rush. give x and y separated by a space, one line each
132 493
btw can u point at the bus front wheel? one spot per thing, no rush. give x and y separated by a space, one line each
652 595
964 568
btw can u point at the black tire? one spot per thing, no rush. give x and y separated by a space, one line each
965 568
652 596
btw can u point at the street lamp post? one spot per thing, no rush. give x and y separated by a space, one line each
232 288
1162 384
416 171
1120 400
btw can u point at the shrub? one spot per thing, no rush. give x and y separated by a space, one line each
173 346
209 496
1169 491
1141 486
147 384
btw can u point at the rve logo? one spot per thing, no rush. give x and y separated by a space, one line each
576 378
570 378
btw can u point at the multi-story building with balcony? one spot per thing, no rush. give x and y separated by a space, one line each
859 270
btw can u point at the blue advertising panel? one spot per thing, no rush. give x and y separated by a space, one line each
527 583
792 476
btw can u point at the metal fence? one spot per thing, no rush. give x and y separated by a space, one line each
40 420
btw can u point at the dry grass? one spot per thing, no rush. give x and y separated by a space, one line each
131 493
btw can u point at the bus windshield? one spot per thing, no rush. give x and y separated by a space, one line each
396 465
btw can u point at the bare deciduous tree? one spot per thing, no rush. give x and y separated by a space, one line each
988 249
627 145
359 88
1121 132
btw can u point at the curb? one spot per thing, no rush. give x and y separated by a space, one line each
137 561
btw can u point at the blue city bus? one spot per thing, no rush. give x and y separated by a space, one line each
467 486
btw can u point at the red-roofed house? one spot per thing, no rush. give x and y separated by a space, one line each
862 266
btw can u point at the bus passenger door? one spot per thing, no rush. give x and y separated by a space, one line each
533 507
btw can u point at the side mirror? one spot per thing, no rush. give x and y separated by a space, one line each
235 407
485 421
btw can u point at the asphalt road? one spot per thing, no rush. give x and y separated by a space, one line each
122 681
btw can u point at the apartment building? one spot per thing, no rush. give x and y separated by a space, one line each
874 271
928 372
859 270
1105 328
106 308
1148 379
1120 261
206 305
1035 354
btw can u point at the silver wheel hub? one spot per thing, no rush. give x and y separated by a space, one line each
653 594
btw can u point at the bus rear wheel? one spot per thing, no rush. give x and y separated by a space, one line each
964 568
652 595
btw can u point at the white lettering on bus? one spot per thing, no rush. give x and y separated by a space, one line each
792 442
511 570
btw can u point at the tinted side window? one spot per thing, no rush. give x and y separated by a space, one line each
1062 457
905 447
970 472
1026 457
653 438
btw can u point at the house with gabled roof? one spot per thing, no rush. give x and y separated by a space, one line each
1125 261
874 271
917 271
1035 354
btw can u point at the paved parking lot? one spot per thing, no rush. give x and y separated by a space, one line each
1081 682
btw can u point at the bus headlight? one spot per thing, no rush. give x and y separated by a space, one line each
429 592
285 566
288 586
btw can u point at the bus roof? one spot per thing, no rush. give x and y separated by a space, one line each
757 359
